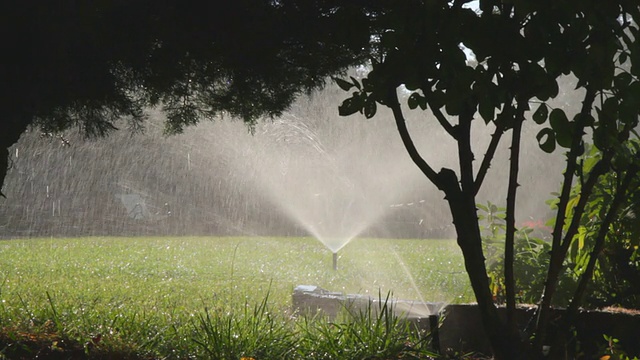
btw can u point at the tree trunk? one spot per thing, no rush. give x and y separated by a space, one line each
505 344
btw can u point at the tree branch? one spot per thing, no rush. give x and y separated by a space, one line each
557 257
401 124
488 156
512 188
446 125
465 154
585 192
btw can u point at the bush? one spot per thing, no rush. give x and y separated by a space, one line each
532 249
616 279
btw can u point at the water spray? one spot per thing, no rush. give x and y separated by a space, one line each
335 261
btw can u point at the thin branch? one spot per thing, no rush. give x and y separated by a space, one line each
401 123
465 153
585 192
570 170
514 165
488 157
446 125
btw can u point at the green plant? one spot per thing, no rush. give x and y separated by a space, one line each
613 350
530 261
616 274
258 333
493 227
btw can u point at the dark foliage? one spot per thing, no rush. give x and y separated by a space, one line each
92 63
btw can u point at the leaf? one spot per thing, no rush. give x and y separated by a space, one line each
589 163
546 140
582 233
600 138
356 83
571 204
343 84
632 98
437 99
369 108
587 119
558 119
493 208
351 105
564 139
551 222
623 57
453 104
414 100
548 90
540 116
562 127
622 80
367 85
486 109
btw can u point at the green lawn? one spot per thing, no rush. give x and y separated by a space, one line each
147 290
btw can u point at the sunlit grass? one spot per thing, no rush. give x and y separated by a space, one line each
146 293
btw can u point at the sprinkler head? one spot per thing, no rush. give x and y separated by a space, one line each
335 261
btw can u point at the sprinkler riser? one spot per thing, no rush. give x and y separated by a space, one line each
335 261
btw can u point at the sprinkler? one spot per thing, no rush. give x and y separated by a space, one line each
435 334
335 261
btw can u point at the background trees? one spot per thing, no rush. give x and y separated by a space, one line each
92 64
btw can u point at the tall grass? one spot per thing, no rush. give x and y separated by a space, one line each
178 297
256 333
370 333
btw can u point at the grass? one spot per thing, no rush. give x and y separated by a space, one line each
169 297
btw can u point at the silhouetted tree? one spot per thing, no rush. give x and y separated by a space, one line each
521 49
91 64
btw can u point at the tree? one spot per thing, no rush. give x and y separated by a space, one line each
523 49
89 64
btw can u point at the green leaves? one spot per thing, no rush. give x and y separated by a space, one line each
540 116
558 119
359 101
343 84
369 108
630 104
560 131
351 105
416 100
547 140
561 127
486 109
346 85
